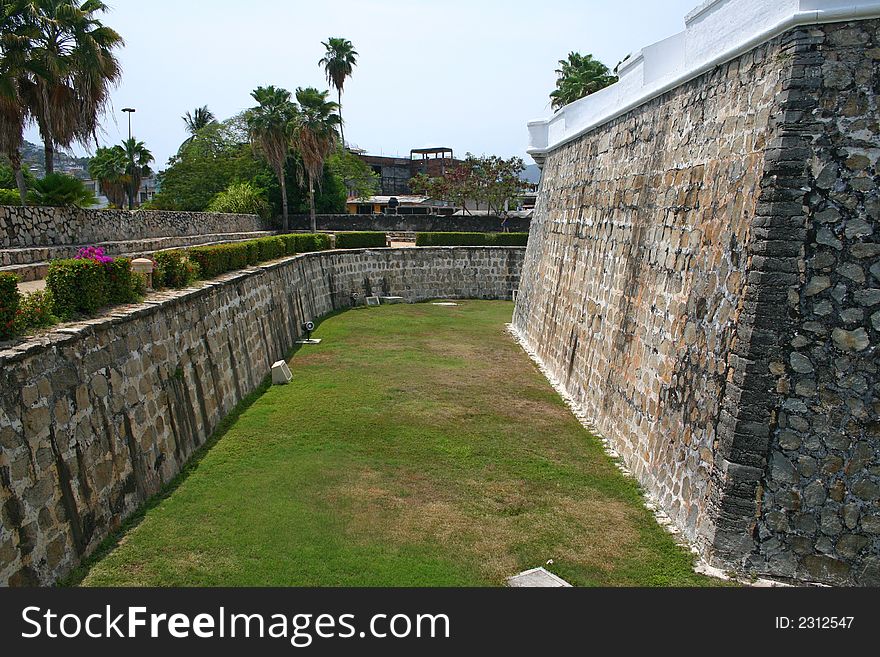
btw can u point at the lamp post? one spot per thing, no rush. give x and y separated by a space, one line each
130 111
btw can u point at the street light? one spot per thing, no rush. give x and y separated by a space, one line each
130 111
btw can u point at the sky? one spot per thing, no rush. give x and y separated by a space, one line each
467 74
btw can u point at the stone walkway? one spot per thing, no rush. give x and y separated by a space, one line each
32 286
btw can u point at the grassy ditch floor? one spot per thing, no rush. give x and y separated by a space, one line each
417 446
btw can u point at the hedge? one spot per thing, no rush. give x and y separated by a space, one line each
174 269
471 239
179 268
10 298
509 239
77 286
82 286
360 240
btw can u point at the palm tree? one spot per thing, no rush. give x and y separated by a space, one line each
338 62
579 76
269 126
200 118
16 31
108 167
73 52
314 136
137 166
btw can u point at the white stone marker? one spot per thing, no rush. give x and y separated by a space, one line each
391 299
144 266
537 578
373 301
281 374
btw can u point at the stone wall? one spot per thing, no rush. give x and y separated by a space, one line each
22 227
409 223
95 417
701 276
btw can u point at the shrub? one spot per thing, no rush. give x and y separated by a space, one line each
123 285
77 286
242 198
510 239
58 190
360 240
10 298
308 242
36 310
174 269
471 239
270 248
9 197
451 239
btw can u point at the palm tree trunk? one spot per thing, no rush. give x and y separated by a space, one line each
285 222
15 161
341 124
49 151
312 204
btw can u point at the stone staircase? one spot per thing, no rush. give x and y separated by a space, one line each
31 263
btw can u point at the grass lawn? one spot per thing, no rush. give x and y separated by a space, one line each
417 446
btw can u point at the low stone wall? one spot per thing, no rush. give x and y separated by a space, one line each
22 227
409 223
95 417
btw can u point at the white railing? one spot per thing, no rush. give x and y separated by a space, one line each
715 32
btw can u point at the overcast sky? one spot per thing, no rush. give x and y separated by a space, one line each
468 74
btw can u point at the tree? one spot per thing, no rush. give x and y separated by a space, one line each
16 30
499 181
242 198
198 120
359 179
73 69
489 179
108 167
314 136
579 76
58 190
137 166
338 62
270 126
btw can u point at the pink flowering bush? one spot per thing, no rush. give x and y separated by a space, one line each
95 253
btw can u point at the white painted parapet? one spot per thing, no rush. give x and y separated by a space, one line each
715 32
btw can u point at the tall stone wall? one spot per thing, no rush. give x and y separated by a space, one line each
97 416
22 227
700 278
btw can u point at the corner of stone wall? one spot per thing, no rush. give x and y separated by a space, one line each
797 491
778 230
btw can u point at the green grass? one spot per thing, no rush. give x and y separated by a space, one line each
417 446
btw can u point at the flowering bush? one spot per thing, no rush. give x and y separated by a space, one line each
95 253
35 311
9 302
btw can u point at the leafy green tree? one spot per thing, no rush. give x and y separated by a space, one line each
59 190
8 177
270 126
579 76
338 62
108 168
221 155
359 179
72 69
315 137
242 198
